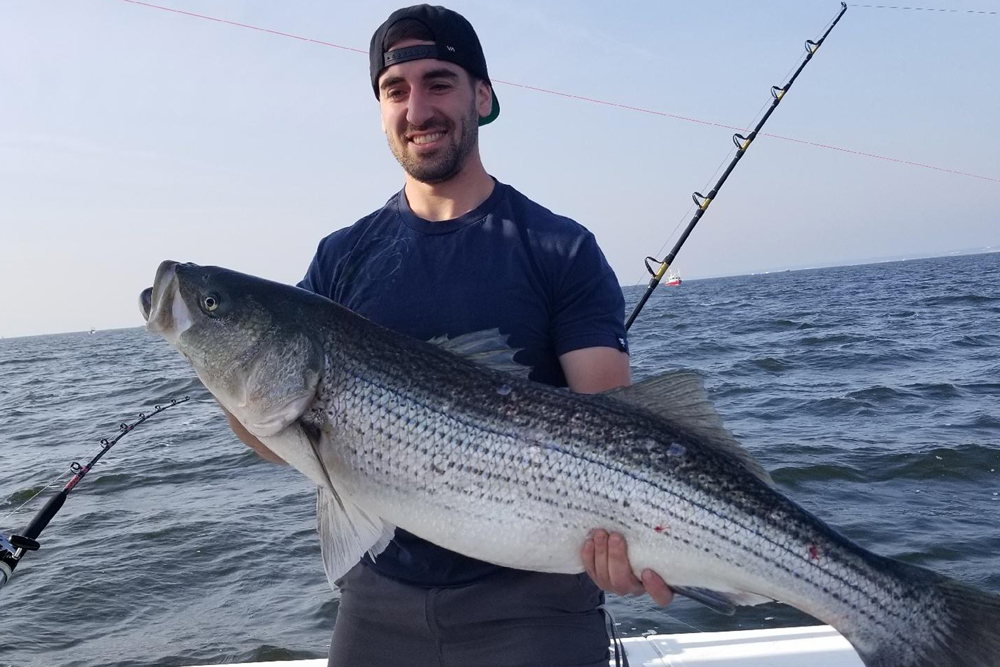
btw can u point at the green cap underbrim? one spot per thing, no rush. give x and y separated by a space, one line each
494 111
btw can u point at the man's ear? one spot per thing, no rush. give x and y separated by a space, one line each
484 98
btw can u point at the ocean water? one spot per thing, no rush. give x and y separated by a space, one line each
872 394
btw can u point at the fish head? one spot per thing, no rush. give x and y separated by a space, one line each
246 338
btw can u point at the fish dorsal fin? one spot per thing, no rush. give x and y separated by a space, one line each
488 348
680 397
346 532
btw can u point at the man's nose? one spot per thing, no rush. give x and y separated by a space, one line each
418 109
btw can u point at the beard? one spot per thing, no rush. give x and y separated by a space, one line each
447 160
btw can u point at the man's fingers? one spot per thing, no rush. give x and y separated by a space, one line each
623 581
600 576
605 559
588 558
657 588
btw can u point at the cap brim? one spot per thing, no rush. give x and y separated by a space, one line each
494 111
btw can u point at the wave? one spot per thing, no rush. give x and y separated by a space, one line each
769 364
794 476
209 654
980 340
26 361
161 389
877 395
840 407
936 391
833 339
20 497
989 388
960 299
962 462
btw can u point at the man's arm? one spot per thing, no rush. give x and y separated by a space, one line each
595 369
250 440
605 556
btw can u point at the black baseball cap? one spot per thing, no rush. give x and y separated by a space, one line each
454 41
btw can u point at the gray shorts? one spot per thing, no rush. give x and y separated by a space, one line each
512 619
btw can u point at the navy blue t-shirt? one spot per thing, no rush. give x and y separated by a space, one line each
511 265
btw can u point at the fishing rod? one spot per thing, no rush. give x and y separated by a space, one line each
13 548
742 144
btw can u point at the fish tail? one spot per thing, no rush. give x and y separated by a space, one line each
958 626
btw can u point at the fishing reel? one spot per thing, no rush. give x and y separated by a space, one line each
14 548
11 551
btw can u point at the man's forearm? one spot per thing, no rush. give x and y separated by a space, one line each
250 440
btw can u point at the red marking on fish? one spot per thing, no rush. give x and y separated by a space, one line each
813 552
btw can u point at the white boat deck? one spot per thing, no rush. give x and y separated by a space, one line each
782 647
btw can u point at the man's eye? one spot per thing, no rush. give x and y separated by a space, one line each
394 94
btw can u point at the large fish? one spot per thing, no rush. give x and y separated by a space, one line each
462 452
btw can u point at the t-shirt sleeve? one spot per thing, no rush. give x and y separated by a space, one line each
589 308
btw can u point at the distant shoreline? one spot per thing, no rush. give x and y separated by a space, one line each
861 262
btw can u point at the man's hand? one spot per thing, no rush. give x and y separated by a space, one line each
605 558
249 439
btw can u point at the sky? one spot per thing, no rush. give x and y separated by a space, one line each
130 135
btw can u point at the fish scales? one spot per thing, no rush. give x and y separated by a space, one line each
713 516
399 432
459 461
501 425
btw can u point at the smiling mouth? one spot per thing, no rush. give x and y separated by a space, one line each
423 139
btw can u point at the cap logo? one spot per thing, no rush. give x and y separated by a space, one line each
451 48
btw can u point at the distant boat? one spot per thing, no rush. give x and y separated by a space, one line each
672 280
93 331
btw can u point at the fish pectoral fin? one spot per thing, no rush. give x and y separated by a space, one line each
680 398
720 602
346 532
488 348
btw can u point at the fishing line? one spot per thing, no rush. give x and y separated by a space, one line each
640 604
929 9
245 25
677 620
581 98
13 548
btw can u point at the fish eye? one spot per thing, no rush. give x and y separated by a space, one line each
210 302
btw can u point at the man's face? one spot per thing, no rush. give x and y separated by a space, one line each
430 115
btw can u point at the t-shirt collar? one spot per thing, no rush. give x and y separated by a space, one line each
477 214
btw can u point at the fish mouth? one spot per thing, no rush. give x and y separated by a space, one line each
146 302
162 305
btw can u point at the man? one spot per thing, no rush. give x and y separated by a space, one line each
453 253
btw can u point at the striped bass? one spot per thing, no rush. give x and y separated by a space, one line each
445 440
